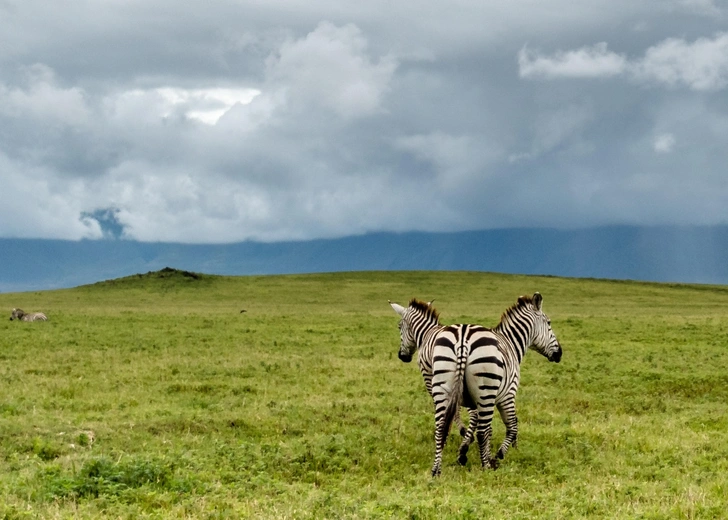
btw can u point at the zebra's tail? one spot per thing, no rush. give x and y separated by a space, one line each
459 423
455 400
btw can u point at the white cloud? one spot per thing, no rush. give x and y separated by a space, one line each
330 68
701 65
181 206
205 105
34 203
588 62
42 98
156 204
664 143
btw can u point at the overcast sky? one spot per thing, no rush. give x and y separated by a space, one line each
221 121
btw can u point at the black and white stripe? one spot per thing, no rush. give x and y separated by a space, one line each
21 315
442 357
476 367
427 318
521 327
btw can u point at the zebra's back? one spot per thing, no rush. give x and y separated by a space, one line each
35 316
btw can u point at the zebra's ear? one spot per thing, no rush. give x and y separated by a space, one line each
537 300
397 308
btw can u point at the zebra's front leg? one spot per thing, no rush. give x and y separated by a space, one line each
507 411
468 436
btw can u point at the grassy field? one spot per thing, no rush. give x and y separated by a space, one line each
153 396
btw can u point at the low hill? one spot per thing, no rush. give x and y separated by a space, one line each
664 254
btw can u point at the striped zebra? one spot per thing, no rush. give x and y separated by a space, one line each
21 315
424 355
475 367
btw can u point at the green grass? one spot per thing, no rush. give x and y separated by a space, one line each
153 396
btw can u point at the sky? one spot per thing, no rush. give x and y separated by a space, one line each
224 121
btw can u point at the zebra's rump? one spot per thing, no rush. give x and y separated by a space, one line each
484 369
473 351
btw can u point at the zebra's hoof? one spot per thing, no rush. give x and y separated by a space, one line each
463 459
463 431
494 463
500 454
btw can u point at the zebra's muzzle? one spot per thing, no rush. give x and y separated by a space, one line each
405 357
556 356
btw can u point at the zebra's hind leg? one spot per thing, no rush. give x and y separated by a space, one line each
484 433
440 439
507 411
468 436
485 429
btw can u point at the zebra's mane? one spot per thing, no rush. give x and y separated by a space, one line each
428 310
523 301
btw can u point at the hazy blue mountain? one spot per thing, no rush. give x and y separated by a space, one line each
664 254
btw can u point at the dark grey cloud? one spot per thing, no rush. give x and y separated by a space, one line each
288 119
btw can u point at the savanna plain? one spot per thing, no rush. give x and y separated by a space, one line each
154 396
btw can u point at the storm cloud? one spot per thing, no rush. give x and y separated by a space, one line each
221 122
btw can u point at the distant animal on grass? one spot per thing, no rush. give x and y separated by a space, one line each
21 315
476 367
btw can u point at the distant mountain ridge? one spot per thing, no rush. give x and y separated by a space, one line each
661 254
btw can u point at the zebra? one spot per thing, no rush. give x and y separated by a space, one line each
476 367
21 315
420 329
424 355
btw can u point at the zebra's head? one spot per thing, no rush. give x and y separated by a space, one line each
414 320
16 314
543 338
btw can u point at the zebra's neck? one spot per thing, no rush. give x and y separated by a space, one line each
427 333
517 336
424 328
